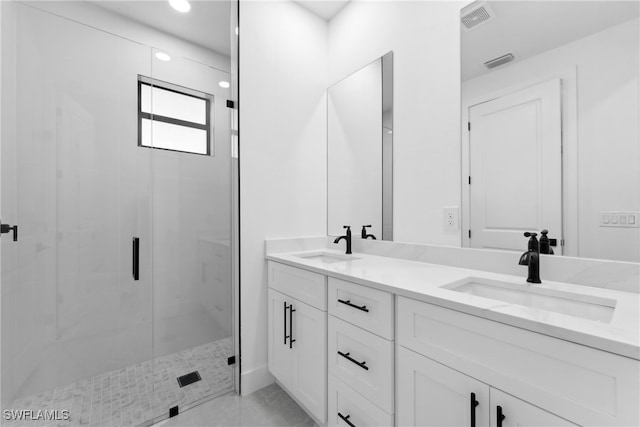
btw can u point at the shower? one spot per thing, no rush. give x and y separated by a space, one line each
117 302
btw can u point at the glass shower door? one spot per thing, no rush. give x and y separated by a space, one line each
116 298
75 323
191 243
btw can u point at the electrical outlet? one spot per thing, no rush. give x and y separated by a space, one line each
450 218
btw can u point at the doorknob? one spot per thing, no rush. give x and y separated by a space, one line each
5 228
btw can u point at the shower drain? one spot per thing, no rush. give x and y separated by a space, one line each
189 378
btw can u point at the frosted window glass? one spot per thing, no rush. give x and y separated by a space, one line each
173 137
163 102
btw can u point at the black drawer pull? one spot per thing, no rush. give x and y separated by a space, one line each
363 365
348 302
346 419
500 416
474 403
291 340
285 323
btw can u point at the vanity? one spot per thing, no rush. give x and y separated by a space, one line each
364 340
444 329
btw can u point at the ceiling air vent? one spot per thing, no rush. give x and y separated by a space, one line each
496 62
475 14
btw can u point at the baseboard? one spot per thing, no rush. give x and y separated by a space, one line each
255 379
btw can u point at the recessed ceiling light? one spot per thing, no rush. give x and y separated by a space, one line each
180 5
163 56
224 84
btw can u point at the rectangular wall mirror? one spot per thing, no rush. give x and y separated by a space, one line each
360 151
550 126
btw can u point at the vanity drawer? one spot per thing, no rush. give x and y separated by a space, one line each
369 308
345 401
365 362
587 386
303 285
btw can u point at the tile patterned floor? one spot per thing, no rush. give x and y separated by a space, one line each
269 406
136 394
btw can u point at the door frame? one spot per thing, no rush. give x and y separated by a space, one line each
569 136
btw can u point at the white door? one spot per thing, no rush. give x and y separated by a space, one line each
515 168
309 327
281 354
431 394
520 413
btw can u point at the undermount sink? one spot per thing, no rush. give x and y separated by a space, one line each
326 257
568 303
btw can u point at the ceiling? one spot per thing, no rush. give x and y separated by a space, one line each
532 26
527 28
326 9
206 24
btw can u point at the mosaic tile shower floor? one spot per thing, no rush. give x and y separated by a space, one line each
137 394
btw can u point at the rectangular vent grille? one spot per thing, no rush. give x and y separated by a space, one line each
189 378
476 17
496 62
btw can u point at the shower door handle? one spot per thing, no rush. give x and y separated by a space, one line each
136 258
5 228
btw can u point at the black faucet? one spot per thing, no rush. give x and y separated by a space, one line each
545 243
531 258
364 233
347 237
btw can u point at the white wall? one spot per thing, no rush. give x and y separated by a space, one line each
283 57
425 39
601 168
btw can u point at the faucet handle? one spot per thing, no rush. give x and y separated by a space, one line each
533 244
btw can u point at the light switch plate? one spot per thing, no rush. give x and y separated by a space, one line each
619 219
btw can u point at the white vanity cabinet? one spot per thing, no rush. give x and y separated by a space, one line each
360 355
354 355
536 380
298 335
432 394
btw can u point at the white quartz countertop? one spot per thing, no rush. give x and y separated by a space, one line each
422 281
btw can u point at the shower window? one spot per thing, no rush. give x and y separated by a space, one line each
172 117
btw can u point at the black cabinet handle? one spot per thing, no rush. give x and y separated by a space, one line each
474 403
291 340
285 323
136 258
348 302
363 365
499 416
5 228
346 419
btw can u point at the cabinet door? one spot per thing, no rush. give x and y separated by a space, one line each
431 394
519 413
309 326
281 357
